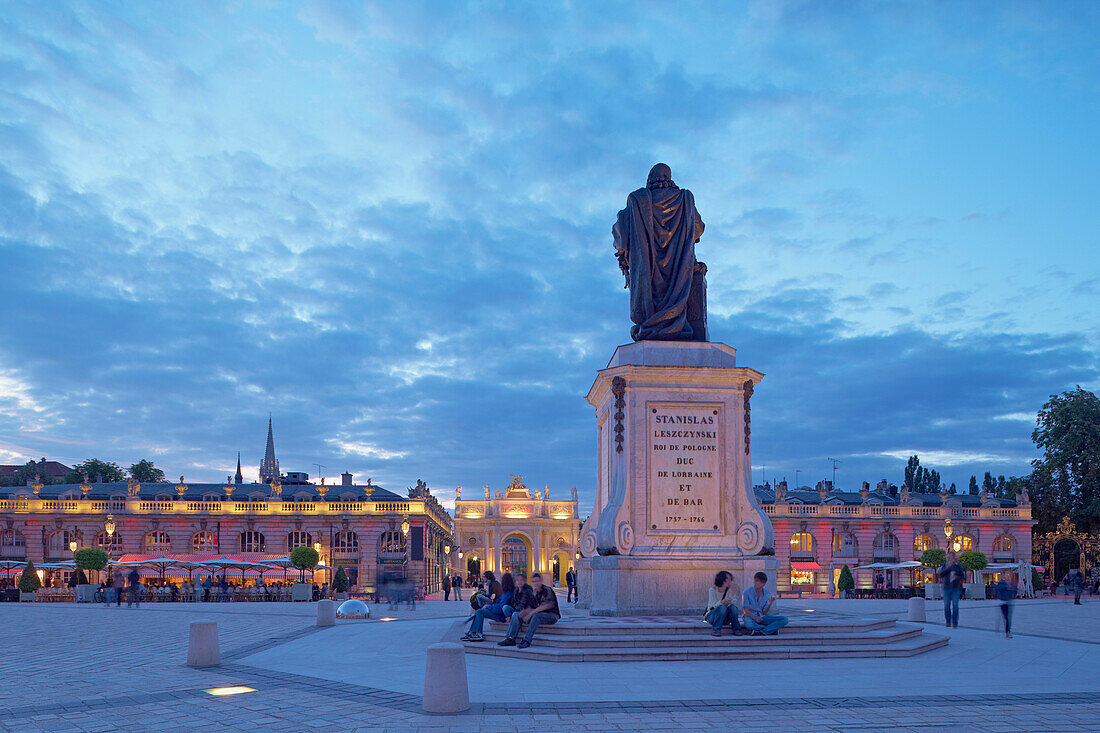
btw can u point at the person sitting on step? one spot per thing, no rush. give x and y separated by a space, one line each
758 602
539 606
500 610
722 606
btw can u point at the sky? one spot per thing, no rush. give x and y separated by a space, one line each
389 226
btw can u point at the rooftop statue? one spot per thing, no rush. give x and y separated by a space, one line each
655 238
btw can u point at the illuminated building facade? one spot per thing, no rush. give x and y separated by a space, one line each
371 532
818 532
513 531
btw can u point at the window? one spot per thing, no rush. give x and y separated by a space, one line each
802 543
111 544
204 541
922 543
12 538
298 539
157 541
886 546
252 541
391 542
345 542
844 544
962 543
58 543
1002 545
211 497
164 497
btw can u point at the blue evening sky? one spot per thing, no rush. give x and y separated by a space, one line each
389 226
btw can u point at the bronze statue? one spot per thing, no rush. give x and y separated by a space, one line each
655 238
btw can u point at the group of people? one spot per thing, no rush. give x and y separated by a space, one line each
752 616
952 574
452 583
516 601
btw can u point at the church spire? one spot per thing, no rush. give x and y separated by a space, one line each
269 469
239 477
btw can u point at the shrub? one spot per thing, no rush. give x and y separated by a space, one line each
304 558
29 582
78 578
934 558
1037 581
91 558
340 582
845 582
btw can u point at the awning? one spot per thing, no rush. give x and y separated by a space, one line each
806 566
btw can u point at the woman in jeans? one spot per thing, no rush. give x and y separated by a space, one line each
498 610
722 605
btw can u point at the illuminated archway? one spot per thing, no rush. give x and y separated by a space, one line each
515 555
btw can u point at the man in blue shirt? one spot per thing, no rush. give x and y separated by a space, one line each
757 605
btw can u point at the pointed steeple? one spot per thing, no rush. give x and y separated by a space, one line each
239 477
269 469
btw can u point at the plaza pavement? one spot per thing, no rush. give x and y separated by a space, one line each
86 668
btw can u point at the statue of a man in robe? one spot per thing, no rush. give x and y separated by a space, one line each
655 238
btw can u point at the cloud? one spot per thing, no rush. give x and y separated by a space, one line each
391 228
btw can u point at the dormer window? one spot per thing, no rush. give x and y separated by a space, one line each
211 497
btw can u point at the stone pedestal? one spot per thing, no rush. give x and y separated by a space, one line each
674 503
202 646
445 685
326 613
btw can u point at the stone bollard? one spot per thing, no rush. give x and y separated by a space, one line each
326 613
202 651
445 687
916 609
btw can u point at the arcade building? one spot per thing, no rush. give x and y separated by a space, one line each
513 531
818 532
371 532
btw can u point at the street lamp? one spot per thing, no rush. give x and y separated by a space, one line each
405 526
72 545
109 526
446 549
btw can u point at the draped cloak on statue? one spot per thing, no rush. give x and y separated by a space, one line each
657 232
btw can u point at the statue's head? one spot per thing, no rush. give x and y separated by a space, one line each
660 176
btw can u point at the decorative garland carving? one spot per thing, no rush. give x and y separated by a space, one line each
748 421
618 388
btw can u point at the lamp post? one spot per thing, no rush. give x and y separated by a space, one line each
405 544
317 547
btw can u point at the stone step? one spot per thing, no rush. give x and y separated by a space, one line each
918 644
787 637
583 626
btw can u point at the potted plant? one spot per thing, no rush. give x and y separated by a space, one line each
89 558
340 585
845 584
973 562
29 582
933 560
303 558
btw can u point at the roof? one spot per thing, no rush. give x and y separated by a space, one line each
196 491
47 469
767 496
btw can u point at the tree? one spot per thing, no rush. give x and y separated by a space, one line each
29 581
95 470
1001 488
304 558
934 558
973 486
1066 480
913 472
989 484
340 582
973 561
952 490
932 482
845 582
146 473
91 558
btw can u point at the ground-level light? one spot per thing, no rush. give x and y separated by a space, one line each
235 690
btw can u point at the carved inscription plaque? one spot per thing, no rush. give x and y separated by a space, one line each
684 467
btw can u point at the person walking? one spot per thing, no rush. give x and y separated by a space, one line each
571 583
1006 594
117 581
952 575
1077 582
456 586
134 587
108 590
446 587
